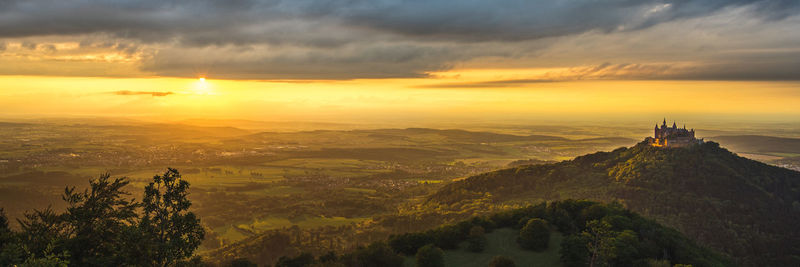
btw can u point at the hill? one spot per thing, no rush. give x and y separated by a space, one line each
741 207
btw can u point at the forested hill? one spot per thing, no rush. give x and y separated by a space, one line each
739 206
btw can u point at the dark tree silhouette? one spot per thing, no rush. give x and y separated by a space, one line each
574 252
375 255
173 233
430 256
535 235
476 241
96 220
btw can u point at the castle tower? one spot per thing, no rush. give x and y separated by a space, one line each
655 132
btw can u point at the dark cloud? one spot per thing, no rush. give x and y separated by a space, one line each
216 22
380 60
755 71
126 92
322 39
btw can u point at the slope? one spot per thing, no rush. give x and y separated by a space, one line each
741 207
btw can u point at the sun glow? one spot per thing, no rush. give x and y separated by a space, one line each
201 87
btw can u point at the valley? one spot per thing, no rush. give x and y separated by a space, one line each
249 183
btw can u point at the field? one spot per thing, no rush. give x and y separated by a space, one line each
503 242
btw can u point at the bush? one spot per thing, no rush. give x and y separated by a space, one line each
448 237
377 255
430 256
535 235
409 243
476 242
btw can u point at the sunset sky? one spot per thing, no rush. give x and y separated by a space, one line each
400 60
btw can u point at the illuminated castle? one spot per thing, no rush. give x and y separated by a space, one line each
673 136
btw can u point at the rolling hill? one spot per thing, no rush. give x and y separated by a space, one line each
744 208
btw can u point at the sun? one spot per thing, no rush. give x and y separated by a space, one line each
201 87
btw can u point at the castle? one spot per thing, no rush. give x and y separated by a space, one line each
673 136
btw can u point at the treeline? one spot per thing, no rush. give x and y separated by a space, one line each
103 226
595 235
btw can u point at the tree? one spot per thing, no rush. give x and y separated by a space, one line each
430 256
600 242
502 261
573 251
476 241
11 250
96 219
172 232
42 233
409 243
375 255
4 229
535 235
448 237
626 248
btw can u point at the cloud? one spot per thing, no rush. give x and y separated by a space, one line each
29 45
320 39
217 22
154 94
488 84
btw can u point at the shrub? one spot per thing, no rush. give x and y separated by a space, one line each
430 256
535 235
476 241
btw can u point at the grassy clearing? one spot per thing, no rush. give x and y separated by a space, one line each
502 242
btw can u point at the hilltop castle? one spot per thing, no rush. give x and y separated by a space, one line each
673 136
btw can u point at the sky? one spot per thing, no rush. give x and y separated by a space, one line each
393 60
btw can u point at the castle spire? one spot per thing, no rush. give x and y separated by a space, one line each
665 121
674 126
